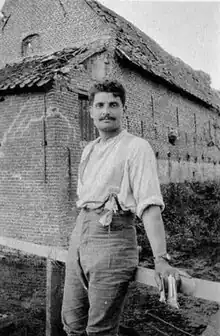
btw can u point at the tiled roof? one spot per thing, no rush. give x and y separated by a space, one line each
132 45
144 52
39 70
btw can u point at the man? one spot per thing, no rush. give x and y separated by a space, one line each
117 180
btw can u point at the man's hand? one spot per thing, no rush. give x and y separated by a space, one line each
165 274
168 279
162 271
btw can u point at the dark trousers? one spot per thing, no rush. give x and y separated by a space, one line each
101 262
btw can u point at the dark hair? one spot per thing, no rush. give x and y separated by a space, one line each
113 87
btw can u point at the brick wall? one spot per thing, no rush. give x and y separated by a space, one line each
33 168
21 165
39 156
63 126
59 24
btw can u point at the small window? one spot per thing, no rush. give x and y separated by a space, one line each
30 45
88 131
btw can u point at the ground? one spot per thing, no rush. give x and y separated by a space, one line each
23 285
143 308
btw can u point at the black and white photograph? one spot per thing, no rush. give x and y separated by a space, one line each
109 168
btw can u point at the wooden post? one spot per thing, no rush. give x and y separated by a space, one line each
53 299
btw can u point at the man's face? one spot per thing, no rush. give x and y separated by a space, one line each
106 111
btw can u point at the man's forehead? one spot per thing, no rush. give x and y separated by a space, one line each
105 97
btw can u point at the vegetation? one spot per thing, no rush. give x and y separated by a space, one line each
191 217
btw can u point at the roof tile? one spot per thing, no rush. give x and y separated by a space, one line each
39 70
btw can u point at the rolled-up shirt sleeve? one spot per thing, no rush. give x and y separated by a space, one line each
143 177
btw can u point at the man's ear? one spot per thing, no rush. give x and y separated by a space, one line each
125 108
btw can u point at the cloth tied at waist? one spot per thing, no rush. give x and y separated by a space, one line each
111 205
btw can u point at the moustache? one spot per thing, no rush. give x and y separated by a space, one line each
107 118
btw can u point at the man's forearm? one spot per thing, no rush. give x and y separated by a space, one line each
154 227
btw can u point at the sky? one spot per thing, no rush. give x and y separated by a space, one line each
188 30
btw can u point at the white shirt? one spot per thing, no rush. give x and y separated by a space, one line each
124 165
